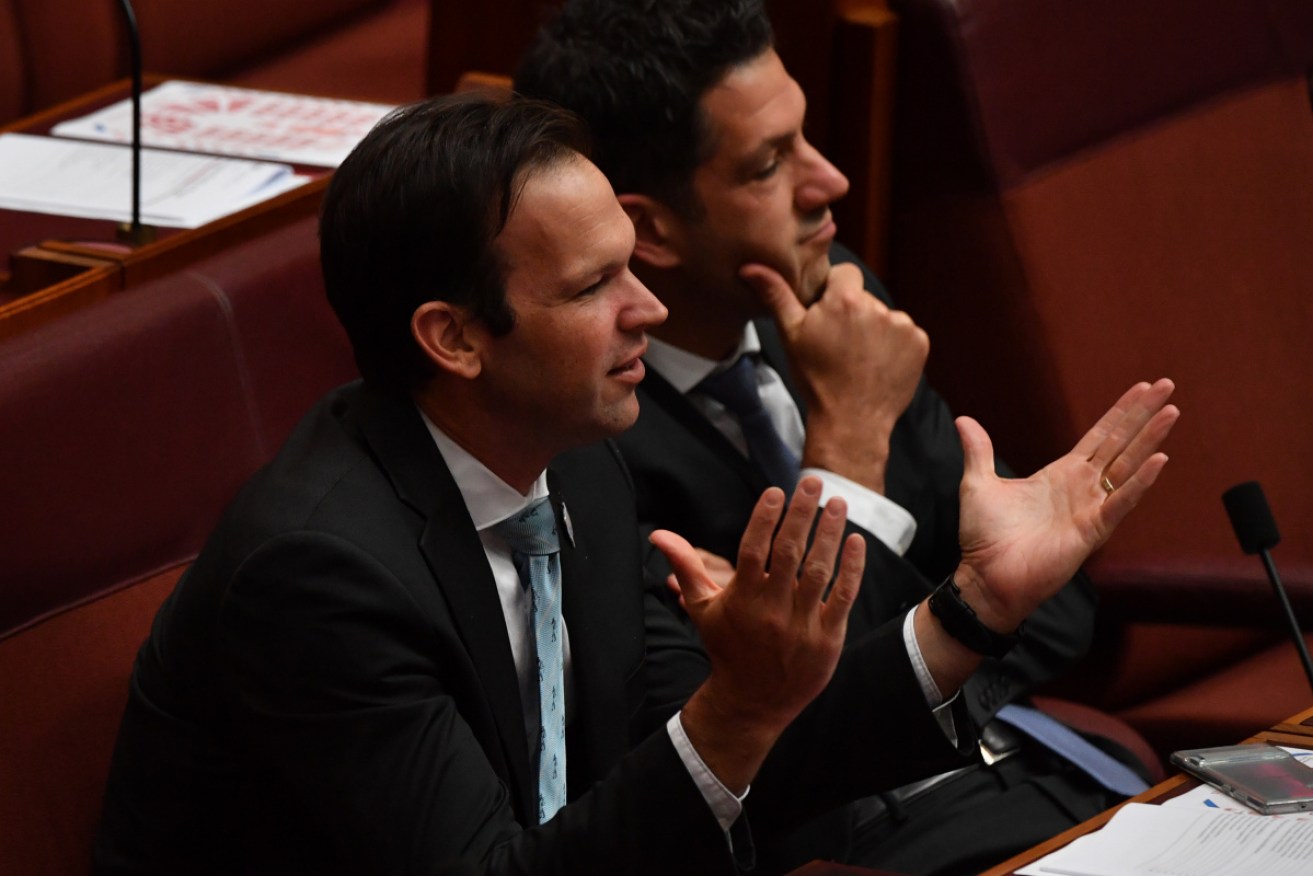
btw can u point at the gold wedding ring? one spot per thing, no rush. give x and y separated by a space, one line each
1107 485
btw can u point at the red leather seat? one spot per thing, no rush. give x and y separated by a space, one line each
129 425
1092 193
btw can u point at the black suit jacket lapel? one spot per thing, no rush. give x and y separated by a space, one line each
596 597
455 555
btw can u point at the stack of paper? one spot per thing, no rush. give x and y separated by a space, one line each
224 120
1143 840
93 180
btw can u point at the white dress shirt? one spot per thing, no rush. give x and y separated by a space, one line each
878 515
491 500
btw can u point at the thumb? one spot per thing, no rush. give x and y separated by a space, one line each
695 585
774 292
977 449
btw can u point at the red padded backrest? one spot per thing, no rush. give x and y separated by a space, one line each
128 426
131 424
64 685
1091 193
1187 250
13 75
69 47
53 51
210 38
292 348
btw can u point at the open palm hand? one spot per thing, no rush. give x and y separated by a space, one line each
1022 539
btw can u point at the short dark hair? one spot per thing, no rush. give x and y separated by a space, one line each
636 71
413 212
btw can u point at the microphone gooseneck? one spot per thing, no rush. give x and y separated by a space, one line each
1256 530
134 232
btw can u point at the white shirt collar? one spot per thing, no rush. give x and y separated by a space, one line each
685 370
489 499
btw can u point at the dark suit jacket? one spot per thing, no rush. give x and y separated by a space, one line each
330 688
691 479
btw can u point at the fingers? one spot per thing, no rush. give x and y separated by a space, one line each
1123 500
834 614
695 585
778 296
791 540
1145 443
1094 438
798 576
818 568
1118 428
754 547
977 449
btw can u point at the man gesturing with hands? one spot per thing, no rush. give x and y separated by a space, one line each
699 127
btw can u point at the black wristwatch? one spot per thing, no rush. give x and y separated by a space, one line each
960 622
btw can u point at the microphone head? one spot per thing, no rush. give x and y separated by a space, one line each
1251 518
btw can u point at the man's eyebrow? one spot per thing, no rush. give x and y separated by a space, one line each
595 273
765 148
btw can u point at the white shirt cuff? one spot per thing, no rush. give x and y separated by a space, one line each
934 698
877 514
724 805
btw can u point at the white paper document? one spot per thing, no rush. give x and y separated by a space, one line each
1146 840
224 120
94 181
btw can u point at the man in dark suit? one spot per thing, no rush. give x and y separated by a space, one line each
371 668
699 127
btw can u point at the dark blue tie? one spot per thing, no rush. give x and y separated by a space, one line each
736 389
1056 736
536 552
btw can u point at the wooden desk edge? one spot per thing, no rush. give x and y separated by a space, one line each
46 305
1299 724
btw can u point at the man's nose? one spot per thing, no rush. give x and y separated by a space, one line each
822 183
643 310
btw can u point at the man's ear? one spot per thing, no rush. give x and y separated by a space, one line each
450 336
657 231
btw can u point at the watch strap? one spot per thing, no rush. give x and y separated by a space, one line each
960 621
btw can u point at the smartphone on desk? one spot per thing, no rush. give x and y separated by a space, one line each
1262 776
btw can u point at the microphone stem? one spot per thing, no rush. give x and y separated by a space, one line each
134 58
1290 613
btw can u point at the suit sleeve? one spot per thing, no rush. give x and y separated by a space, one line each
870 730
350 696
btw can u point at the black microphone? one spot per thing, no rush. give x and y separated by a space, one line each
1251 518
134 232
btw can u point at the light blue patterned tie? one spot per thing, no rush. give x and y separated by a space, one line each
536 551
736 389
1058 737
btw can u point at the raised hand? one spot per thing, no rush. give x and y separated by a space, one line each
1022 539
773 641
856 362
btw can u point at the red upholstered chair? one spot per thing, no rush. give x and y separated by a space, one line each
128 426
1092 193
52 51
